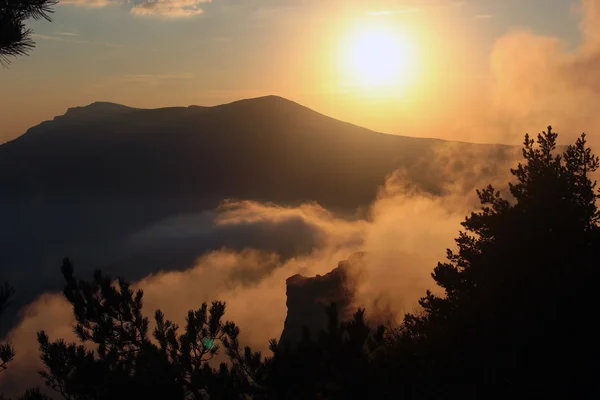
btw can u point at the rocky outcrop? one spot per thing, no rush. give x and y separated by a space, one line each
307 298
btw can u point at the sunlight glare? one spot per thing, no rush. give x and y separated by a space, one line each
378 59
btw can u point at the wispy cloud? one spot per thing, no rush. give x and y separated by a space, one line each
67 33
167 8
77 41
483 16
92 3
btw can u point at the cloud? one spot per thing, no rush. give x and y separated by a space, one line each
483 16
92 3
169 8
70 40
536 80
289 232
166 8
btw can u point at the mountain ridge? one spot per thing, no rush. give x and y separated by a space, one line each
106 108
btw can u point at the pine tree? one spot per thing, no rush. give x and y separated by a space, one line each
518 310
116 357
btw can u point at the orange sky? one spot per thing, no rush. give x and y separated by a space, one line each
208 53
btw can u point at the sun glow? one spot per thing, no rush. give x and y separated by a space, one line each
379 59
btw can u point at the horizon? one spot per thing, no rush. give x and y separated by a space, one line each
209 53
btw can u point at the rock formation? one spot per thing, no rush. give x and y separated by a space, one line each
307 298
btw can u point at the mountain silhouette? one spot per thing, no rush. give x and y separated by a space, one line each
80 183
264 149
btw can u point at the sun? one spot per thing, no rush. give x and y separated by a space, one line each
381 57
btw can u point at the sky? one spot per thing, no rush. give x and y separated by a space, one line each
151 54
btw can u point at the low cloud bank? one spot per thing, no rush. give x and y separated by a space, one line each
405 232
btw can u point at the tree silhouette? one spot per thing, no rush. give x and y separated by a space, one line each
33 394
7 352
15 37
517 315
337 364
115 352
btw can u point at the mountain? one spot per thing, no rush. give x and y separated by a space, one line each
79 184
266 149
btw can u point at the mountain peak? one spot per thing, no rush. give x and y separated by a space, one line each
105 108
99 109
274 98
264 101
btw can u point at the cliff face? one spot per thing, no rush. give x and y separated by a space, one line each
307 298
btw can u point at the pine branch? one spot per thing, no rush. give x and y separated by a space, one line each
15 37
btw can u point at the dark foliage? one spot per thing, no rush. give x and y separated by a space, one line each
115 351
15 37
338 364
7 352
517 315
34 394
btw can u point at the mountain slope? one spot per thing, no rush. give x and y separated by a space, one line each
267 148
